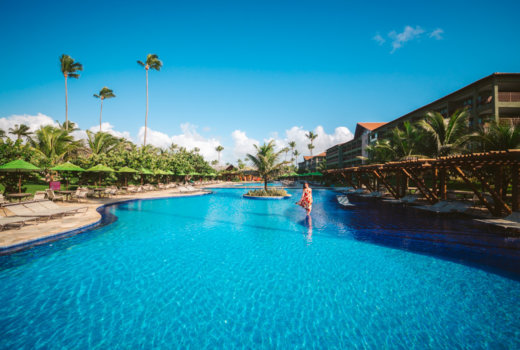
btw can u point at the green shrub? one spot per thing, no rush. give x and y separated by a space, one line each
271 192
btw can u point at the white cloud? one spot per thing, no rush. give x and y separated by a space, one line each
379 39
109 128
189 139
409 33
243 144
437 34
34 122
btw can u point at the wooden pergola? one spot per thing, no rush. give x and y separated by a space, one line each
484 173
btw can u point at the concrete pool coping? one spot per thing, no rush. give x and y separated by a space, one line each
31 235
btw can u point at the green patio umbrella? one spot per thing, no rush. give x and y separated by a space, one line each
19 166
126 170
68 166
100 168
144 171
316 173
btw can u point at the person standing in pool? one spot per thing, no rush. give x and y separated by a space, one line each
306 200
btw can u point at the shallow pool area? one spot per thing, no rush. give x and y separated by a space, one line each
218 271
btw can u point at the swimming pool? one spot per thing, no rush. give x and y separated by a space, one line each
219 271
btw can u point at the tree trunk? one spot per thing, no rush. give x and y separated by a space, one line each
146 116
66 106
265 184
100 114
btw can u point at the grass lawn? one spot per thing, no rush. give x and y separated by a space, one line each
30 188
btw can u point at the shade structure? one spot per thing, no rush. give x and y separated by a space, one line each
19 166
127 170
168 172
145 171
160 172
316 173
100 168
68 166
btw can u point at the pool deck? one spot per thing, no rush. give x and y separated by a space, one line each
32 234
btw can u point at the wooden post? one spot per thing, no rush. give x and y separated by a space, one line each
443 189
515 175
435 181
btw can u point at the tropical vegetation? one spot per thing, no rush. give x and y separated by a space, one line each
437 136
69 69
266 163
152 62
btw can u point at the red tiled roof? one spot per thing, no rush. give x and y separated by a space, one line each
322 154
371 126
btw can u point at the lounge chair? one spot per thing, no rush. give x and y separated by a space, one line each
2 199
80 194
53 197
68 209
343 200
39 195
24 212
19 222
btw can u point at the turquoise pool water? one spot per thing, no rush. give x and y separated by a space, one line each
219 271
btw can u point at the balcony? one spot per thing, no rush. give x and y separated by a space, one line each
509 96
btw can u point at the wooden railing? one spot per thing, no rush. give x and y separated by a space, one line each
509 96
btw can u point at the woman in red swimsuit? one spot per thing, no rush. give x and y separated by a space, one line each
306 200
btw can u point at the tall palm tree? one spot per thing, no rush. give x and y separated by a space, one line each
219 149
285 150
311 136
104 94
296 154
310 146
448 134
20 130
69 68
152 62
2 134
497 137
101 142
266 161
292 145
71 127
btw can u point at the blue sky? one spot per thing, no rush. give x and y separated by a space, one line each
236 73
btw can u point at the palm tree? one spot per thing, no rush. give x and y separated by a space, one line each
20 130
497 137
448 134
296 154
69 68
104 93
2 134
292 144
101 142
72 126
311 136
285 150
54 144
152 62
219 149
266 161
310 146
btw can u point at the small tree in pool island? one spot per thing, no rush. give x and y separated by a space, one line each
266 162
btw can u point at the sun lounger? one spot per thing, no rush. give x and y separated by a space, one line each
343 200
6 221
53 197
51 205
39 195
510 222
22 211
